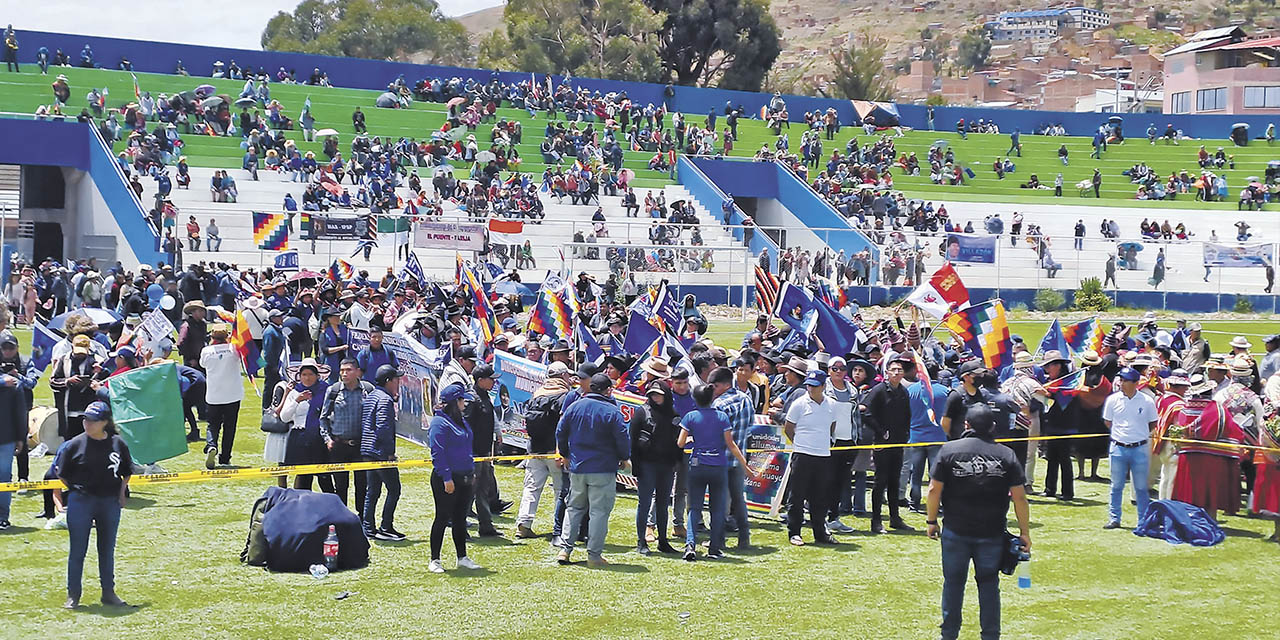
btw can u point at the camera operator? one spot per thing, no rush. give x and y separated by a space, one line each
973 480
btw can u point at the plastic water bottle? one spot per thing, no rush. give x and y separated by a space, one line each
1024 574
319 571
331 549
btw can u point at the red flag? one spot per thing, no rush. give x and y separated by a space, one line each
943 293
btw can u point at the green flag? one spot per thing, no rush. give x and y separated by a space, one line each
147 406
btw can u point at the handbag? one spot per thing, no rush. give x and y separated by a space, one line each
271 423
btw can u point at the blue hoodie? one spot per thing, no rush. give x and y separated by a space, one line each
450 447
593 436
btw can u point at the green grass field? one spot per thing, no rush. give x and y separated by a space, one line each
332 108
178 559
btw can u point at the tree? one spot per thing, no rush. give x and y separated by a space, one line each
859 70
973 49
376 29
612 39
936 100
729 43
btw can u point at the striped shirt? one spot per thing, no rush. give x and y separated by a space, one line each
737 405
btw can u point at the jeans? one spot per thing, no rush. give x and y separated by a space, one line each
737 487
1130 463
451 511
562 507
485 490
712 480
679 501
222 419
888 476
917 458
809 481
348 451
592 493
214 243
841 474
536 473
7 451
653 478
377 478
85 512
957 551
1058 453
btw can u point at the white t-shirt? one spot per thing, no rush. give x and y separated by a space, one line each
813 425
1130 418
222 371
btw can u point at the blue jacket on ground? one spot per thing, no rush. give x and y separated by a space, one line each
593 436
1178 523
378 426
450 447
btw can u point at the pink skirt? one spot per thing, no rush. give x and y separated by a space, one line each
1208 481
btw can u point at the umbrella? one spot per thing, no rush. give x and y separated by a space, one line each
938 143
327 132
304 274
485 156
245 102
1115 119
1240 125
510 287
626 174
404 324
209 103
98 316
455 102
1252 178
1136 246
206 89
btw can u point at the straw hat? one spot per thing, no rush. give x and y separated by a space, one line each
1024 360
1053 355
1241 366
1200 385
656 367
796 364
1240 342
194 304
1090 358
1216 362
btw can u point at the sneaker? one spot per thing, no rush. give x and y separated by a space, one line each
1112 524
523 531
194 436
490 533
210 457
797 541
835 526
60 522
643 549
467 563
391 534
435 567
502 507
4 524
563 557
877 527
715 555
901 526
690 554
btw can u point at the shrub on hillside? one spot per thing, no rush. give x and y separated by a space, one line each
1049 300
1091 297
1243 305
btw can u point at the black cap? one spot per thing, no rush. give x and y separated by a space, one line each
680 374
600 383
386 373
467 352
588 369
482 371
971 366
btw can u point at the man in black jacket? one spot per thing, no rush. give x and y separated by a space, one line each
888 416
479 415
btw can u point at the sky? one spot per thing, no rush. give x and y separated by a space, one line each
238 23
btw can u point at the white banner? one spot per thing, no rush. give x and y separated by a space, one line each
461 236
1242 255
155 326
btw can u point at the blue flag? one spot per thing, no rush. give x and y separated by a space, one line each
640 334
1054 340
792 299
413 268
42 343
494 270
287 260
665 308
589 344
839 334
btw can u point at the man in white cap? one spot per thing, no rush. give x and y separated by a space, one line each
1197 351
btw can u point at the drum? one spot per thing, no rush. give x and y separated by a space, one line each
43 427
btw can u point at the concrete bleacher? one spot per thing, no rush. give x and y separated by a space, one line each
547 239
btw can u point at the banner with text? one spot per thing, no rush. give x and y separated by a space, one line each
963 247
338 227
1242 255
764 491
417 385
461 236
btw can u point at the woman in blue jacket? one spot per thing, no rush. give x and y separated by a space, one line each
452 474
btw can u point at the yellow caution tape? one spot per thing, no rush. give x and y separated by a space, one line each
204 475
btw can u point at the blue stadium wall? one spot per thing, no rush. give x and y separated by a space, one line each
161 57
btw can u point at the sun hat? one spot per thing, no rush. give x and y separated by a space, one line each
1024 360
1090 358
1240 342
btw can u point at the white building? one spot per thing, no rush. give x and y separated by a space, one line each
1045 24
